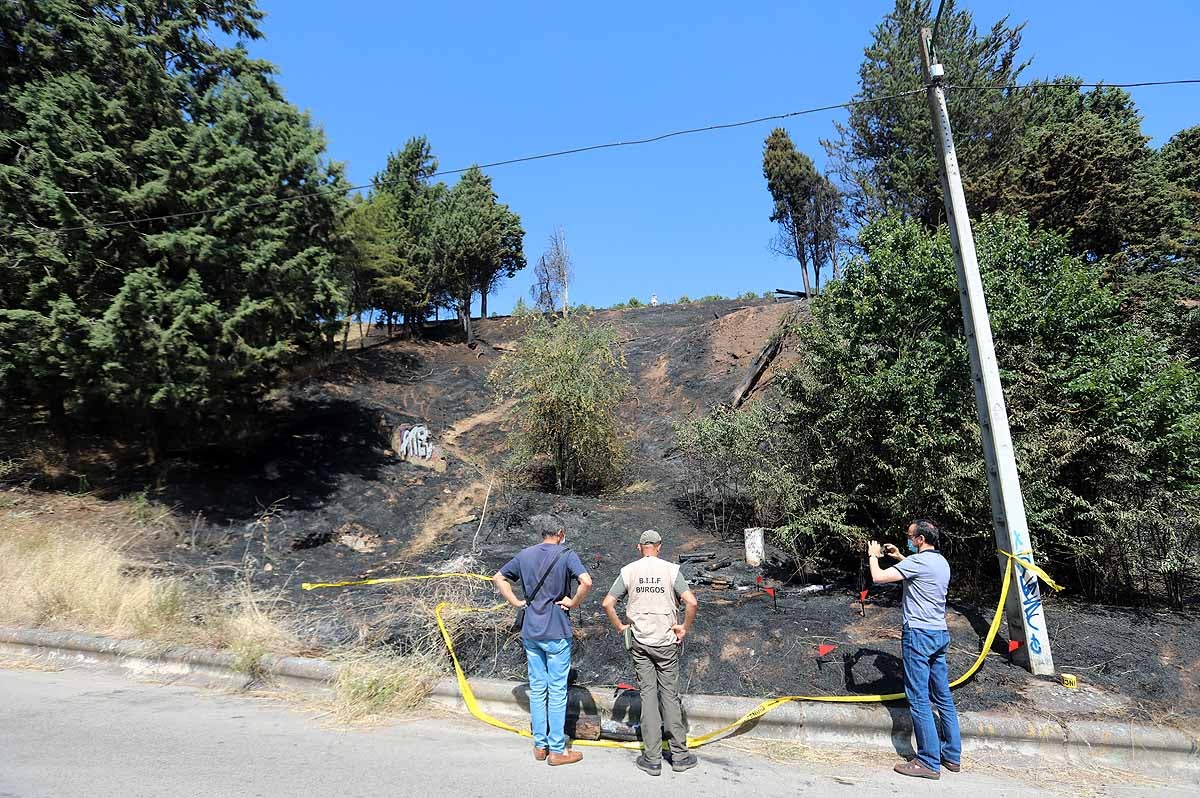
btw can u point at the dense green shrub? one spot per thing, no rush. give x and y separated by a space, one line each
737 472
879 419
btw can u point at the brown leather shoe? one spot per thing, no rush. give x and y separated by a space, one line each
914 768
953 767
540 753
567 758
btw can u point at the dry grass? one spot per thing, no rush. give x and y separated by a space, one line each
398 654
68 562
53 578
373 683
10 467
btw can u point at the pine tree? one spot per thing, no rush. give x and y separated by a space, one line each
808 207
128 110
1082 166
1180 163
405 282
478 242
884 153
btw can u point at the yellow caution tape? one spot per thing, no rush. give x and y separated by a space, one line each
476 711
1029 566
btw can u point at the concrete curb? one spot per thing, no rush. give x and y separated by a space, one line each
202 667
874 726
858 726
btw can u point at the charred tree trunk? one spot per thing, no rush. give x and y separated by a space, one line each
816 262
464 315
798 245
757 367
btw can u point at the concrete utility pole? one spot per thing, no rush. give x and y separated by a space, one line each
1026 621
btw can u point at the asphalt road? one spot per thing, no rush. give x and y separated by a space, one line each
92 733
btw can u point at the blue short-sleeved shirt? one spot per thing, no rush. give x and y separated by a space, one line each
543 619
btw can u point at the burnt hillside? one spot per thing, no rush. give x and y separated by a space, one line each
326 496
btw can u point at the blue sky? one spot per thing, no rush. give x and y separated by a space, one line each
487 81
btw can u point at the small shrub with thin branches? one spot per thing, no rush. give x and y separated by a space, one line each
566 380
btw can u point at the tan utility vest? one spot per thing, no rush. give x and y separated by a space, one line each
651 601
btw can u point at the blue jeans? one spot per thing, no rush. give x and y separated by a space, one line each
549 664
927 685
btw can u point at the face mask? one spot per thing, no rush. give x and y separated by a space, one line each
912 547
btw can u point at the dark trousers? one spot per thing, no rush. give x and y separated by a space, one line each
658 681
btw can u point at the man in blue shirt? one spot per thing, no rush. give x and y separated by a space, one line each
545 572
926 577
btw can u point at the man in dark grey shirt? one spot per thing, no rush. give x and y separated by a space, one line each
926 577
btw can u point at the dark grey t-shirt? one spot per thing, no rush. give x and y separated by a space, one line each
544 620
926 580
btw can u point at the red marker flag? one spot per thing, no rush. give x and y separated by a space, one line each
623 686
1013 645
863 595
770 591
758 581
825 648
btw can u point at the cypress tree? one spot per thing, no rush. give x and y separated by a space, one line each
118 111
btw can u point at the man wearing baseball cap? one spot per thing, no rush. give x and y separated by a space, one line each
653 589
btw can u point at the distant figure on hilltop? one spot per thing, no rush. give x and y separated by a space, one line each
654 300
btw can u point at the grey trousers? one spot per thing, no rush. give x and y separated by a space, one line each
658 681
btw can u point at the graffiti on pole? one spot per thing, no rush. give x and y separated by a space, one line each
1031 603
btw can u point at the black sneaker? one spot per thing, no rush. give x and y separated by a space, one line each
684 762
653 768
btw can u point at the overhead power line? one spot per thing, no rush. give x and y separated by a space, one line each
610 145
1072 84
523 159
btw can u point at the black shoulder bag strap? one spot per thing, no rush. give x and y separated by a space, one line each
519 621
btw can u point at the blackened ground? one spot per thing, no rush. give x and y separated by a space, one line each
282 509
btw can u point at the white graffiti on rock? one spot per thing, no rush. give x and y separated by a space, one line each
416 443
